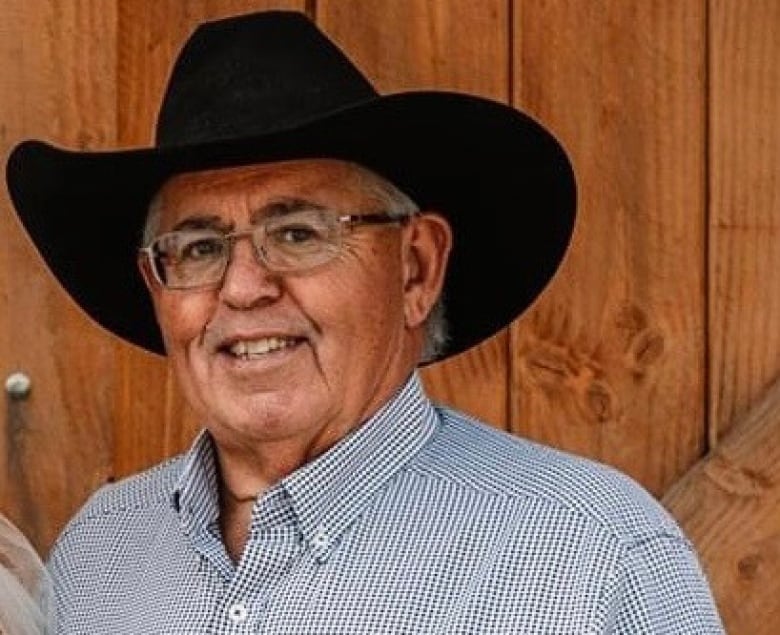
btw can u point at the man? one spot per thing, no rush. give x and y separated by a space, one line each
302 240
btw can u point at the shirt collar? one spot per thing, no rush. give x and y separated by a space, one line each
196 494
329 492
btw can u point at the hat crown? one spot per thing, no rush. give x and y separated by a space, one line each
254 75
271 87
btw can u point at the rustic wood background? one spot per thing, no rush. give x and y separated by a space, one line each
657 348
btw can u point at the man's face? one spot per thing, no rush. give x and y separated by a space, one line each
328 345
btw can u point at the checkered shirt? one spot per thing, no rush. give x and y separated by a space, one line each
420 521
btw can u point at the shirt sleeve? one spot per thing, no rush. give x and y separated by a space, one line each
661 588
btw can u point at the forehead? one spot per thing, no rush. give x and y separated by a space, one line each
321 179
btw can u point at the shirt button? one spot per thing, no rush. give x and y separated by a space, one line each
238 613
320 539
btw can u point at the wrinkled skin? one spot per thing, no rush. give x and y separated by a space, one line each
352 327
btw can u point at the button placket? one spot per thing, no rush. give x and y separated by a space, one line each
320 545
320 539
233 618
238 613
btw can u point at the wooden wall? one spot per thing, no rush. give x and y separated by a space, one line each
653 344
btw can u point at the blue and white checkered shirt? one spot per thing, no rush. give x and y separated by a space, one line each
420 521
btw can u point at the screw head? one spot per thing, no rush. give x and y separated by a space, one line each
18 385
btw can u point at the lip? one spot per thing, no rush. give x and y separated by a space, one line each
257 343
259 348
253 367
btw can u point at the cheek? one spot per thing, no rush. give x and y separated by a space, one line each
182 317
364 311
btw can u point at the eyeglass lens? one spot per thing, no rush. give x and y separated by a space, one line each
291 242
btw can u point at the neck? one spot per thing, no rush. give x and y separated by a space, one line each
245 473
244 477
231 498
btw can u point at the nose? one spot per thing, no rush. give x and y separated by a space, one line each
247 282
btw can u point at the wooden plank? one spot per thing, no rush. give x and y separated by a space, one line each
729 504
436 44
150 37
744 205
152 419
56 82
610 363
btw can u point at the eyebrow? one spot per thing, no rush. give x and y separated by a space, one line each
282 206
204 221
276 208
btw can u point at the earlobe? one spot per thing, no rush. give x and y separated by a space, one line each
427 246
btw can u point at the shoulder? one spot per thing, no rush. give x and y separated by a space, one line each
138 495
105 539
483 459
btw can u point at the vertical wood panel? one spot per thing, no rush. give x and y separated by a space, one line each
744 205
744 291
443 44
153 420
56 82
611 361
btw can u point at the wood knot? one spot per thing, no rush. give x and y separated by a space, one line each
631 319
600 401
644 344
748 567
647 348
548 366
562 373
736 479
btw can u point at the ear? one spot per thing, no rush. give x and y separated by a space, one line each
426 249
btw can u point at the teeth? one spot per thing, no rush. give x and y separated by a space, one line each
248 349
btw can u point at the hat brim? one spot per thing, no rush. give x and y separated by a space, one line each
503 181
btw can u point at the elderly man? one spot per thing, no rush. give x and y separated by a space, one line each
301 236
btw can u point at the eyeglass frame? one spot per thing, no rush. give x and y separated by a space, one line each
147 252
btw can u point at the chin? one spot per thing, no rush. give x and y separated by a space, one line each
260 419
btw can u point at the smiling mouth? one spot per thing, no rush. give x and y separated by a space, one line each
254 349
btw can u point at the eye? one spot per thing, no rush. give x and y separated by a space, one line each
296 234
199 249
305 230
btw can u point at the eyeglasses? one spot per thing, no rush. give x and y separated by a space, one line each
292 242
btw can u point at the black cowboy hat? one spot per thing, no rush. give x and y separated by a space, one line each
270 86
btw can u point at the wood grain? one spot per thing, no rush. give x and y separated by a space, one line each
610 363
56 83
730 506
744 242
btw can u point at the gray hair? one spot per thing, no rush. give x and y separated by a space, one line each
394 202
399 205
